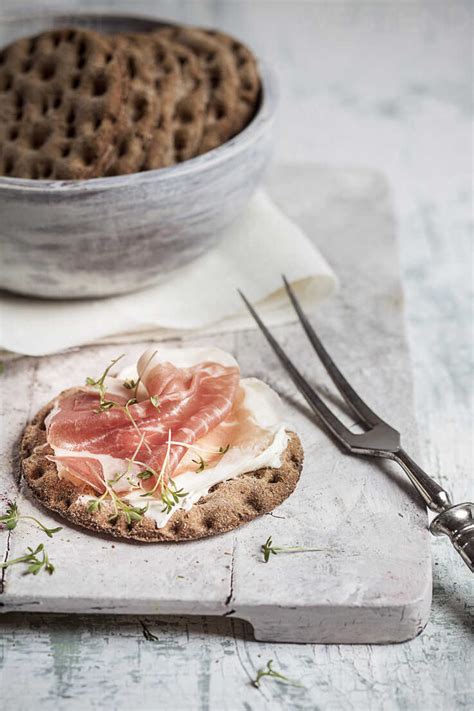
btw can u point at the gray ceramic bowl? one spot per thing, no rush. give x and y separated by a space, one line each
113 235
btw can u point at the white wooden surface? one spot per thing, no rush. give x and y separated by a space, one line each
386 85
372 581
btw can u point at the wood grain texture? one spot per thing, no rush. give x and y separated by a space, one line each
407 114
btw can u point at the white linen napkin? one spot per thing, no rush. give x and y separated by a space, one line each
201 297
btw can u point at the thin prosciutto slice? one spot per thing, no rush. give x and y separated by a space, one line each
188 402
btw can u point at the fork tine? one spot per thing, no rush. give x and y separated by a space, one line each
355 402
338 429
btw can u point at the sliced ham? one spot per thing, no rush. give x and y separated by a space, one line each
191 402
82 470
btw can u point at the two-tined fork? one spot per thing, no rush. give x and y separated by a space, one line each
379 440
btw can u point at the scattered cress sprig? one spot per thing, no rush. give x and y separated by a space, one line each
104 404
269 549
131 513
13 516
146 474
271 672
170 495
221 450
200 461
33 561
159 476
202 464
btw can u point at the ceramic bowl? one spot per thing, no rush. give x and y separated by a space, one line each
90 238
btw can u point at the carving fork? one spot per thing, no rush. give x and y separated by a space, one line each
379 440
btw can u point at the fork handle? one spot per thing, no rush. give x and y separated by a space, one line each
434 496
455 521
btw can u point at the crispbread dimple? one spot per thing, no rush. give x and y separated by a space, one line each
227 505
62 94
222 79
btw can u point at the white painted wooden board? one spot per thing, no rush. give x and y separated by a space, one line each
374 582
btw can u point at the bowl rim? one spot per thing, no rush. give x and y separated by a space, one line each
238 143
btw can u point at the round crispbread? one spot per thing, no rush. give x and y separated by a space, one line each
61 101
248 92
147 111
222 81
228 504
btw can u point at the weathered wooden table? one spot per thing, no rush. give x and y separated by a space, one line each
383 85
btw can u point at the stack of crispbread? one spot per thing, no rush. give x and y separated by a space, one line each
76 104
